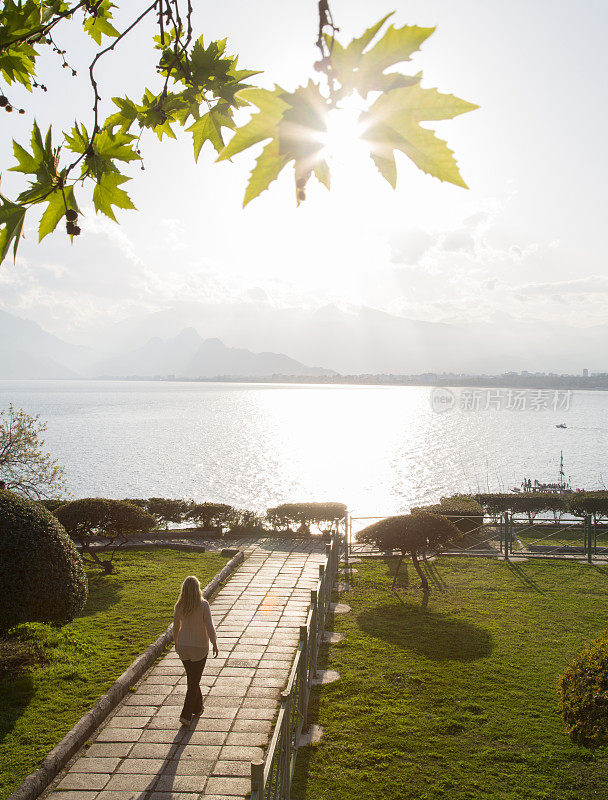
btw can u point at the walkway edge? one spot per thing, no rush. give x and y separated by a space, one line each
59 756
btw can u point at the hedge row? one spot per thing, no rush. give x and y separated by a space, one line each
295 518
465 512
577 503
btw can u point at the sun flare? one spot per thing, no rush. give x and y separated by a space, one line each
343 144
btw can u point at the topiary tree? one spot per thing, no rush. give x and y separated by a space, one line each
465 512
595 504
583 695
246 523
42 577
411 534
210 515
100 525
298 517
166 510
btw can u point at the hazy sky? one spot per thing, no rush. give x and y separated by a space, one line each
527 240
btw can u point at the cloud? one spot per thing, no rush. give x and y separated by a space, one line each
593 284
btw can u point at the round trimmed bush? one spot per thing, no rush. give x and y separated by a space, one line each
583 690
42 577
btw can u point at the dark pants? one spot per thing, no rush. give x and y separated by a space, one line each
193 703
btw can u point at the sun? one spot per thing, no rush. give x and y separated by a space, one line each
343 145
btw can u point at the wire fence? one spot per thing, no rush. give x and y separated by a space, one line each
509 535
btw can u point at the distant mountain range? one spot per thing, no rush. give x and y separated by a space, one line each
363 340
29 352
187 355
199 340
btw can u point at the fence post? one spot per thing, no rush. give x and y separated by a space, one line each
501 525
304 675
508 522
589 539
286 736
346 544
321 622
257 780
312 644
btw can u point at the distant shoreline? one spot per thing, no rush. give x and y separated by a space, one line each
508 381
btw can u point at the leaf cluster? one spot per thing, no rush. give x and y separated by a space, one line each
198 91
294 124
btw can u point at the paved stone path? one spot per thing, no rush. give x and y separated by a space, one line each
142 753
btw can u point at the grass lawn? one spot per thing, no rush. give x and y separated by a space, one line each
125 612
459 701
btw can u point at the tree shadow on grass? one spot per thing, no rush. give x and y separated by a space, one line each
104 592
15 694
425 632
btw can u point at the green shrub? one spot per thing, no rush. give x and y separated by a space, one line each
42 577
101 525
529 503
583 694
210 515
52 504
412 534
582 503
246 523
298 517
165 509
465 512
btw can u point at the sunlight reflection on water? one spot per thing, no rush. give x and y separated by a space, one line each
378 449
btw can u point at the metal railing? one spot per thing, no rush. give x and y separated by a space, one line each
271 777
509 535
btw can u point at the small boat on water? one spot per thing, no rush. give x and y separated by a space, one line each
561 425
561 487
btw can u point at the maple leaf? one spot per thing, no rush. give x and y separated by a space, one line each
363 70
209 128
107 194
12 216
393 123
55 210
295 123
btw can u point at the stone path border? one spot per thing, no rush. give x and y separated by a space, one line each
59 756
142 753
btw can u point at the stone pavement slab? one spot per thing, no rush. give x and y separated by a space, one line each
143 753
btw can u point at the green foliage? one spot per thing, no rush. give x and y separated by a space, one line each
52 504
530 503
414 533
583 695
165 510
42 576
594 503
210 515
393 123
246 523
295 122
198 87
101 525
298 517
465 512
24 466
457 702
124 613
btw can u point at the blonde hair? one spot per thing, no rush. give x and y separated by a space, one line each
190 596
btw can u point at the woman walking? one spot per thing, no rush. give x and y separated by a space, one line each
192 631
